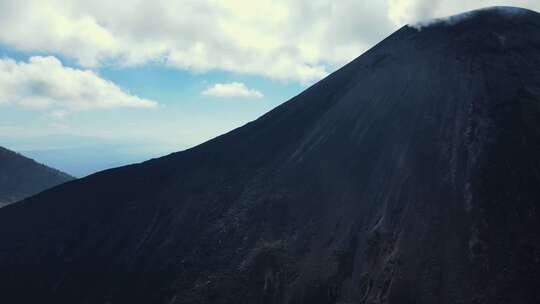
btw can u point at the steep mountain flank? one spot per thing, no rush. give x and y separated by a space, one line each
411 175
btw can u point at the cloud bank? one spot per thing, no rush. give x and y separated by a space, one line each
300 40
421 11
44 83
454 19
233 89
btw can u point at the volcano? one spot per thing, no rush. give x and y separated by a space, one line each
410 175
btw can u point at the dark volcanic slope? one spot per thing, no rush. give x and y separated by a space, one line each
21 177
411 175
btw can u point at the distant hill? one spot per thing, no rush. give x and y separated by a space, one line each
21 177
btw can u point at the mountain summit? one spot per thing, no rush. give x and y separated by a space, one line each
21 177
495 13
411 175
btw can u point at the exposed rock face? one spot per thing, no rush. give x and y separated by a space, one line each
21 177
411 175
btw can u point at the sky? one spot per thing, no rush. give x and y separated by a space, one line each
89 85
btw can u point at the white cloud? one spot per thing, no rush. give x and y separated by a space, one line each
44 83
58 114
52 27
301 40
58 126
233 89
420 11
404 11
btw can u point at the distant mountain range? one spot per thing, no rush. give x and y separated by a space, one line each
410 175
21 177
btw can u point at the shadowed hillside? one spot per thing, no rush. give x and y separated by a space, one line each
21 177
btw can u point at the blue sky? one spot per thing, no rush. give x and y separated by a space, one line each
86 141
89 85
